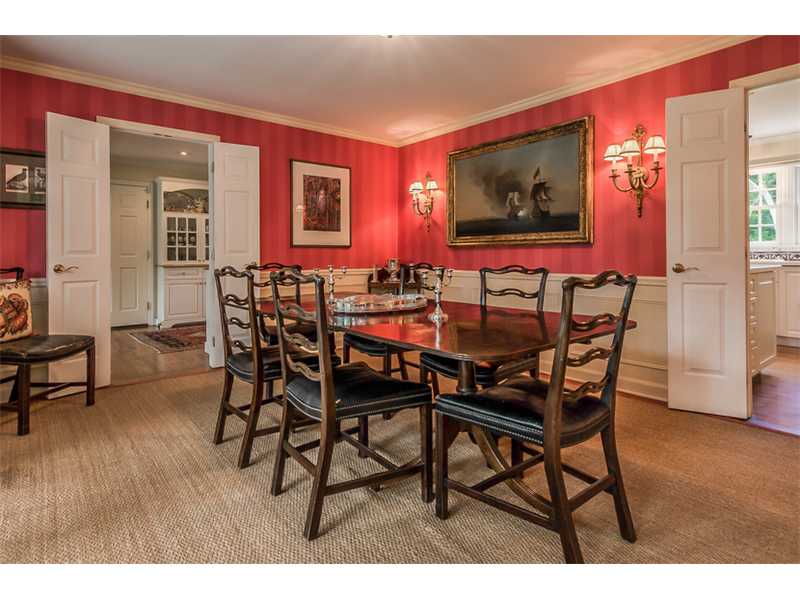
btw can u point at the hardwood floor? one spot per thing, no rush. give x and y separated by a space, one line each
134 362
776 397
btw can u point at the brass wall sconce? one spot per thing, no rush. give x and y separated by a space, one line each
633 152
422 198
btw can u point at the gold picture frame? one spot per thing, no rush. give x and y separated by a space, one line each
508 194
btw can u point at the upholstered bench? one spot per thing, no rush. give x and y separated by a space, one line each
41 349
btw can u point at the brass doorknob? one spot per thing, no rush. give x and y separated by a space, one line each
59 268
679 268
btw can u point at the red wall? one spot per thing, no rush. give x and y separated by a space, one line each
25 98
621 240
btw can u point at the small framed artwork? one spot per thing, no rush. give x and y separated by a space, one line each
24 178
534 188
320 209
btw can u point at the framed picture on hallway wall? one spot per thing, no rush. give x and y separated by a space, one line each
534 188
24 178
320 209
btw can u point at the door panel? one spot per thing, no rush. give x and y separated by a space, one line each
131 268
78 220
235 228
706 233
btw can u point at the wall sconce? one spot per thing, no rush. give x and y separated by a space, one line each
422 198
638 174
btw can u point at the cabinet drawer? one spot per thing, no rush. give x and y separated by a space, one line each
185 273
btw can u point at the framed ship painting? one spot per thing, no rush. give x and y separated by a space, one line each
534 188
24 178
320 209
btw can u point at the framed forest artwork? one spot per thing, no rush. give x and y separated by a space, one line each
534 188
320 210
24 178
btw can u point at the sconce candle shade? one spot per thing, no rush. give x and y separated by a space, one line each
613 153
431 185
630 148
655 146
415 187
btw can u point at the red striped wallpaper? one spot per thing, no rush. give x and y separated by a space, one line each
25 98
622 241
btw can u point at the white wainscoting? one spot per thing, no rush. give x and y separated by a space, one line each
644 363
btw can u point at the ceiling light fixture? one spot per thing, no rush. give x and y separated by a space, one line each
183 153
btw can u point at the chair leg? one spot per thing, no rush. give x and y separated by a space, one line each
90 376
535 369
387 363
24 399
435 383
252 424
423 374
516 452
626 528
363 434
287 416
561 510
227 386
345 352
403 367
441 466
320 485
426 447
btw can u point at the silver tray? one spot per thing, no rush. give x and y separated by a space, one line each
379 303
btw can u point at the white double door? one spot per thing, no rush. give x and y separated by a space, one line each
79 234
131 264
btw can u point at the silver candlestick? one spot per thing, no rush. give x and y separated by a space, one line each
393 266
331 281
443 278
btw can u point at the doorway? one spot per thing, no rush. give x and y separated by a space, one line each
773 246
159 256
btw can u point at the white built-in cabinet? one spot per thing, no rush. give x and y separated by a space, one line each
789 303
763 298
183 249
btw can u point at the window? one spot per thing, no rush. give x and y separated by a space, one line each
763 195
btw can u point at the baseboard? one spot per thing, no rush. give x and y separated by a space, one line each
788 341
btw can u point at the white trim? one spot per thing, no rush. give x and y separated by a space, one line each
663 60
767 77
158 131
138 89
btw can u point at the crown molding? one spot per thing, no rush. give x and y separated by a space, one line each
138 89
668 58
681 54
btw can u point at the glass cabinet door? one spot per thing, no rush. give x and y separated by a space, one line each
185 240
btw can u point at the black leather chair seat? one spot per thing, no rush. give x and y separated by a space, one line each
241 363
485 373
360 391
366 345
43 348
516 408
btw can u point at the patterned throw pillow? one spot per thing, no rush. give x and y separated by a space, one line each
15 310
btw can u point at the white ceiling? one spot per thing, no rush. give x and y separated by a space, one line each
774 110
130 147
388 89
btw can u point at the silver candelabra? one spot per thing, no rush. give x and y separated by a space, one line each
331 280
442 278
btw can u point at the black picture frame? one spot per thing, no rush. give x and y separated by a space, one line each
24 179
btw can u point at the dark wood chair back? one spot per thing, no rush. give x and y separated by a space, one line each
418 270
607 386
238 313
263 281
289 342
538 295
18 273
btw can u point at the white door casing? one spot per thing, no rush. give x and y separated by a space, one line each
78 226
235 229
131 263
707 343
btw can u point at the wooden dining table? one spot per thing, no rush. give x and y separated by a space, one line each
470 334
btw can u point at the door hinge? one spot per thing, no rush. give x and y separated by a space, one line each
148 204
212 166
213 341
149 306
148 255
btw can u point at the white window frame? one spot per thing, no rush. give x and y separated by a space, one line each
787 208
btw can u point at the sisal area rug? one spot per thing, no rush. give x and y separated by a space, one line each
173 339
136 478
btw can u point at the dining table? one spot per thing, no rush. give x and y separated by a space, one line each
471 334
